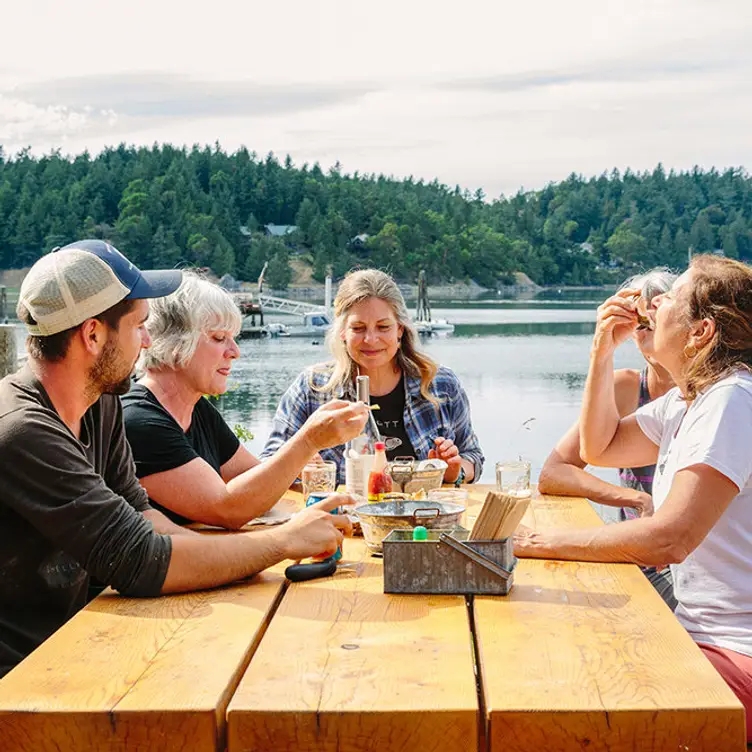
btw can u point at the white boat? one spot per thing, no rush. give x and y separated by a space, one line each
440 326
315 324
276 330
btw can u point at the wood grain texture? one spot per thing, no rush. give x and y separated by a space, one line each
137 674
345 667
588 657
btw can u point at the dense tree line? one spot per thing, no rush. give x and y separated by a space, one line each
166 206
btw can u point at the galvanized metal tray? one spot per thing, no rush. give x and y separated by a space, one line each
447 563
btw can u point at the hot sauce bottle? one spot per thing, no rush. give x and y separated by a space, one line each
379 481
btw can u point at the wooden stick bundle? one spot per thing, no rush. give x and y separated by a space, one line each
499 516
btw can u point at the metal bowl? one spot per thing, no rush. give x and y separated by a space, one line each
410 475
379 518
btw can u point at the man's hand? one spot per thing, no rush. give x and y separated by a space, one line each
445 449
335 423
315 531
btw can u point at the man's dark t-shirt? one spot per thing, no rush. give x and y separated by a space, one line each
160 444
390 418
69 508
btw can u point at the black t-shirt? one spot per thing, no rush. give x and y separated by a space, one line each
159 443
69 508
390 418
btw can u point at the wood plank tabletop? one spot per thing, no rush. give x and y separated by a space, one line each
578 657
138 674
588 657
345 667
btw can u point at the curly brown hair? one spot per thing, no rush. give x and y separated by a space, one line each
722 291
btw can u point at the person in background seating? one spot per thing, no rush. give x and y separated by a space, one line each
424 411
564 471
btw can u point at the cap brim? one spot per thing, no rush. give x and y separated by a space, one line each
156 283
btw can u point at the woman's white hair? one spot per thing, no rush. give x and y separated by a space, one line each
652 282
177 322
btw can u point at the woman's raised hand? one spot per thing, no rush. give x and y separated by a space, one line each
616 320
335 423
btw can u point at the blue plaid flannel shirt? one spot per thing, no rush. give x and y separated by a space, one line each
423 421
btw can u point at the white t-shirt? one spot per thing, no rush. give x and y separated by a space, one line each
713 585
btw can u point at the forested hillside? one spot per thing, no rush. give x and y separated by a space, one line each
164 206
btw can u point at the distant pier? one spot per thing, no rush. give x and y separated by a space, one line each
251 308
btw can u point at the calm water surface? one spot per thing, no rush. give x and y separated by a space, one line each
516 360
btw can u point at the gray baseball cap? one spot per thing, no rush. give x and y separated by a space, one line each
82 280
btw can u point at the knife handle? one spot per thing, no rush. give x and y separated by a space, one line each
303 572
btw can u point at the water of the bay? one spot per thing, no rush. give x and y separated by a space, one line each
516 360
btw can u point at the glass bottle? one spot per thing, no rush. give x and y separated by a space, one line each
379 480
359 452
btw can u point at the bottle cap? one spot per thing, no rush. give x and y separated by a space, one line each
420 533
379 445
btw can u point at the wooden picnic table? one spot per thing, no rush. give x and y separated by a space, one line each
577 657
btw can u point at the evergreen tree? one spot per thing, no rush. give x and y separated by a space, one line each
164 206
278 273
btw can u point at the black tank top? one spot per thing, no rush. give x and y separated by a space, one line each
390 418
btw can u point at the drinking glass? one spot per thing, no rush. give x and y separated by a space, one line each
319 477
513 477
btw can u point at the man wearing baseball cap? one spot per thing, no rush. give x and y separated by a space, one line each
70 504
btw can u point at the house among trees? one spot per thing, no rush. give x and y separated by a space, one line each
279 231
358 243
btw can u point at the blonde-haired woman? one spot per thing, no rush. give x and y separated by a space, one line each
424 411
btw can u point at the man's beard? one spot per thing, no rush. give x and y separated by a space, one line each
106 375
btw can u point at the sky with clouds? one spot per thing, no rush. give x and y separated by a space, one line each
495 95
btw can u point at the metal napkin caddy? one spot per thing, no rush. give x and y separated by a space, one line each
447 563
458 561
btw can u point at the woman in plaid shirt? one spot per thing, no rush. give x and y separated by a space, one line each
424 411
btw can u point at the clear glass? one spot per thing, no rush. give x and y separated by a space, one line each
319 477
360 451
513 477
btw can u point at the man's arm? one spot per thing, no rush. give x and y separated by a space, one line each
164 525
205 561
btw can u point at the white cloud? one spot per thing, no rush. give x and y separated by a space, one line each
19 118
485 94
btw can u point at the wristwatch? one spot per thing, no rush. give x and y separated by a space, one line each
461 477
